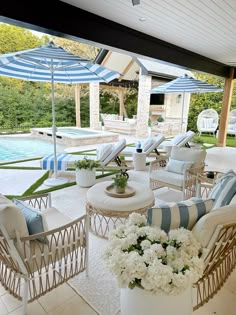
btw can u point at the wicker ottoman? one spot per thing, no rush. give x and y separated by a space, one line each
106 212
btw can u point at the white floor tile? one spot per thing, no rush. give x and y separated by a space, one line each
3 310
34 308
75 305
10 302
56 297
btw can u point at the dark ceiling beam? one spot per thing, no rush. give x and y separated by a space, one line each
61 19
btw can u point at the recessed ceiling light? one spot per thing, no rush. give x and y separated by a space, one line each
136 2
142 19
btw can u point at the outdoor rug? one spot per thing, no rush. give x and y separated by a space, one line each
99 289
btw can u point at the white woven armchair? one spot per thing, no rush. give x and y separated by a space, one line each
32 265
207 121
231 130
181 171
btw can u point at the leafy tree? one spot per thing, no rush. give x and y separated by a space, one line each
14 38
201 101
76 48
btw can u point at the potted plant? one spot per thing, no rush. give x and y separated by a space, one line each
86 172
155 270
120 183
160 119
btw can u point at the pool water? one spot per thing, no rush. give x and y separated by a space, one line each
20 148
78 132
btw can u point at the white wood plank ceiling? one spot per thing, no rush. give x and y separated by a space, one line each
206 27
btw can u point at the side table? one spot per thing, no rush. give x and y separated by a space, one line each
205 184
106 212
139 160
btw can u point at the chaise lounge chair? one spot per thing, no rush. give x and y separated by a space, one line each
107 154
150 145
180 140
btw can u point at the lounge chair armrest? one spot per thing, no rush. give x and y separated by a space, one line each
40 201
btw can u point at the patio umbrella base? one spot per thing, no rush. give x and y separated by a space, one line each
55 181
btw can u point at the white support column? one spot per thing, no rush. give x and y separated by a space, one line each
145 85
77 104
94 104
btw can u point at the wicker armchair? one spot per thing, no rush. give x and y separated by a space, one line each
219 263
186 181
42 266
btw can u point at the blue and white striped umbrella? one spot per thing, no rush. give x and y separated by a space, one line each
185 84
51 63
39 64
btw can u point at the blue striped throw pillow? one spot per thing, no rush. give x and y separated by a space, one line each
169 216
224 190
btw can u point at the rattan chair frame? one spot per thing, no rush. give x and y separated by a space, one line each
27 275
220 262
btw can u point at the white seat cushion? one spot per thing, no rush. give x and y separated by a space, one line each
117 148
205 227
168 177
12 218
55 218
147 144
103 151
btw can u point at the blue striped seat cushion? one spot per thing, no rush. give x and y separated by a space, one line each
224 190
169 216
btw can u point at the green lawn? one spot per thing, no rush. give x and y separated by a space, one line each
230 142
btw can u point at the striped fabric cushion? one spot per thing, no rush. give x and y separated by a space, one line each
224 190
169 216
47 163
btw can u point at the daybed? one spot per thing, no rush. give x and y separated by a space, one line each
213 223
128 126
35 264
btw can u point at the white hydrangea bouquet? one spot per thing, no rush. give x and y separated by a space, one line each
148 258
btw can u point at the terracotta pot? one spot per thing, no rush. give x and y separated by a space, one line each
140 302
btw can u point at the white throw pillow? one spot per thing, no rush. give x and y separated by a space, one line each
179 167
103 151
147 144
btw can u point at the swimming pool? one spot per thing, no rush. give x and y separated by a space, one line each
15 148
73 136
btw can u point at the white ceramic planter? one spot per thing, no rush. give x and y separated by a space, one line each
86 178
141 302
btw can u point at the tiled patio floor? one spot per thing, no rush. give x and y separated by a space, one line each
64 300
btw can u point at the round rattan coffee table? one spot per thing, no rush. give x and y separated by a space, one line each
106 212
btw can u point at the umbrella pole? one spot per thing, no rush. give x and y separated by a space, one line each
182 117
54 128
56 180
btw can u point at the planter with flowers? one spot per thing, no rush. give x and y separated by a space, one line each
155 270
86 172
